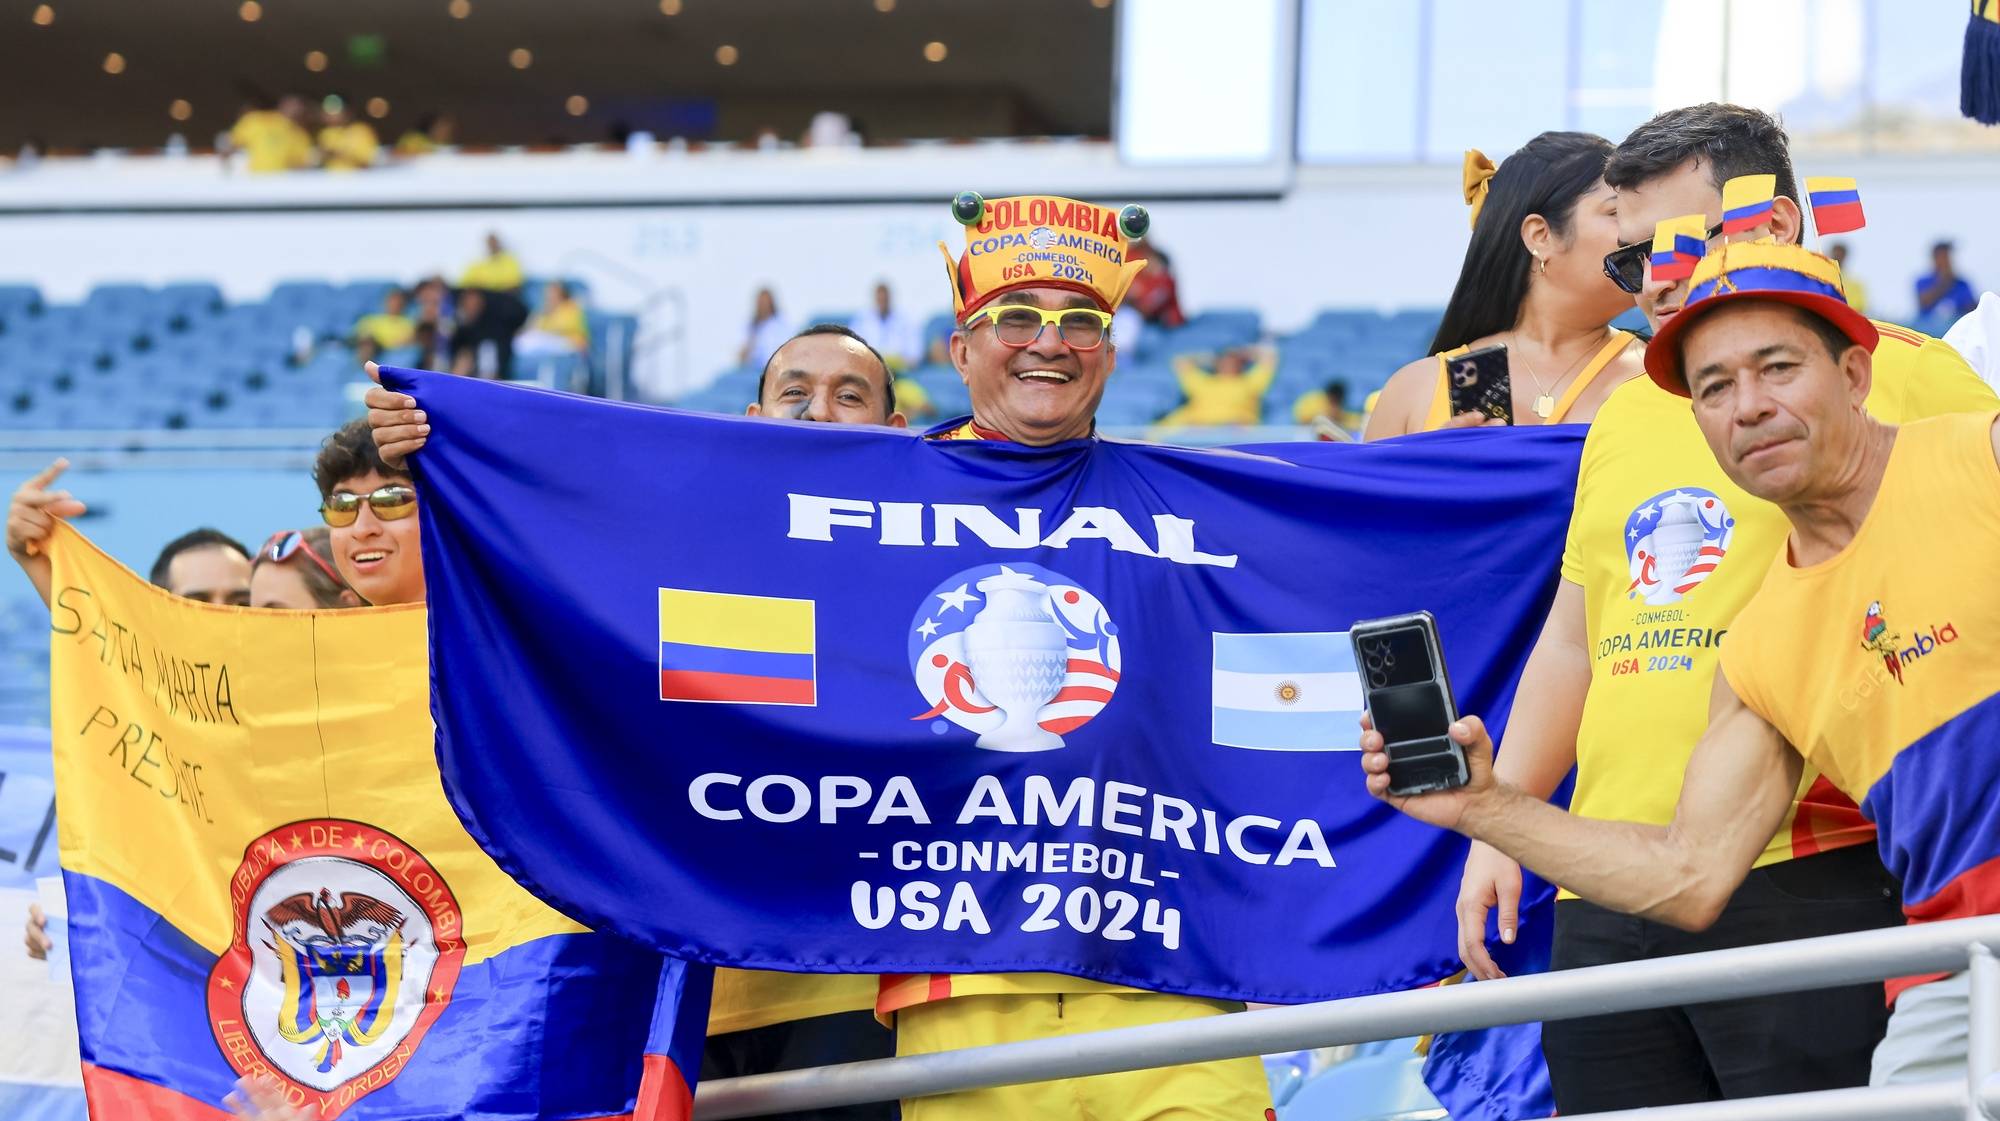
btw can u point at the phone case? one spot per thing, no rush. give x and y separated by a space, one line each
1480 383
1412 705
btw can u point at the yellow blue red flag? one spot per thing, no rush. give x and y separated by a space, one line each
1747 202
1677 244
264 878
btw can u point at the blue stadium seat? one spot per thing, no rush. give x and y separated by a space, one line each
192 297
1383 1083
19 299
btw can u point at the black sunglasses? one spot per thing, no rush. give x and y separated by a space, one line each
1626 265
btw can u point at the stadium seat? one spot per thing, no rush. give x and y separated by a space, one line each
1383 1083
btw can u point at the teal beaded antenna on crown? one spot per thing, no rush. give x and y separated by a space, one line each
968 207
1133 221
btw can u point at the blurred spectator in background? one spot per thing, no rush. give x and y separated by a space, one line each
482 337
830 130
345 144
432 132
273 138
1857 293
387 329
1533 280
558 328
434 303
1943 297
1154 294
498 271
894 335
914 402
1328 402
292 572
767 331
1231 392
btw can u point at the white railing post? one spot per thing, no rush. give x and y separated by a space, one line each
1982 1043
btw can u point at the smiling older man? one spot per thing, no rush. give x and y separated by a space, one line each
1034 294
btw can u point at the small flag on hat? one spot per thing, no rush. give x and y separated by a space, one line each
1677 244
1836 205
1746 202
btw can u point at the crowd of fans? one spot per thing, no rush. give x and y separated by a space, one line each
288 134
477 327
1550 265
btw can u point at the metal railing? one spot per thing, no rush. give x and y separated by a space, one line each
1780 967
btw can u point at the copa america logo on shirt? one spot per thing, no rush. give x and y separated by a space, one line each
1673 541
1016 653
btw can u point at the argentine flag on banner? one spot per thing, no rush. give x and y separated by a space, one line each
1287 692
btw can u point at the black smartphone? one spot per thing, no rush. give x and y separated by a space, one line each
1480 383
1408 693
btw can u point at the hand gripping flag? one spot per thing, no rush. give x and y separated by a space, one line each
1747 202
264 878
1677 244
1010 760
1836 205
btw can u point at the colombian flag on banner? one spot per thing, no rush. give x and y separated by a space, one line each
264 877
735 648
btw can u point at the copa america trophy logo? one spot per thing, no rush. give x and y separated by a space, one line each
1017 654
1673 541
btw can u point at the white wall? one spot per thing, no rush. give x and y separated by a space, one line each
1379 237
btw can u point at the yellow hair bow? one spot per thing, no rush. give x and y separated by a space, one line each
1478 173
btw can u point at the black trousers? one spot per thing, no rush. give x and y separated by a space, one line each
845 1037
1730 1048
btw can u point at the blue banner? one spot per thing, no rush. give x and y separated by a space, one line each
818 698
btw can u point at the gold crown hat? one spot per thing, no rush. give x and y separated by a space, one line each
1041 241
1757 270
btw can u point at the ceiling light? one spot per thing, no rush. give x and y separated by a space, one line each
378 107
1100 3
577 105
726 55
114 63
180 110
521 58
935 51
885 5
315 61
670 7
44 15
251 11
459 9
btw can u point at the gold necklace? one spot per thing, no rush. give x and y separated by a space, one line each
1545 402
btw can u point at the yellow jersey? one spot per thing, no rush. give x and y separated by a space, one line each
755 998
348 147
385 330
499 273
272 141
1881 666
1214 399
1667 550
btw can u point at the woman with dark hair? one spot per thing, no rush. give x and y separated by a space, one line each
1533 280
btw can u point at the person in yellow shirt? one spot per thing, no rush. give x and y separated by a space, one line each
498 271
1663 551
432 132
345 144
387 329
560 327
273 138
1865 660
1329 402
1231 393
1857 293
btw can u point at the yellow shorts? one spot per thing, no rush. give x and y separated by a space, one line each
1230 1090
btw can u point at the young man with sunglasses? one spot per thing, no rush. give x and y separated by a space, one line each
370 507
1663 551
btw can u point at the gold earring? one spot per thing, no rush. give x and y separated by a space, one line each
1541 266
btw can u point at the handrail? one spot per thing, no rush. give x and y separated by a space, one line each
1781 967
